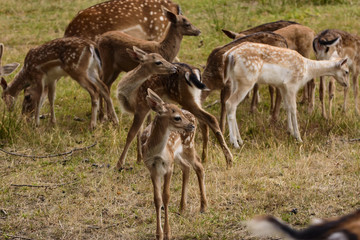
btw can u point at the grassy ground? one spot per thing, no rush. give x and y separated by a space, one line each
86 199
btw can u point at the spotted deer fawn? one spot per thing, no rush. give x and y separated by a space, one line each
169 139
212 77
333 43
338 228
44 65
140 19
183 87
251 63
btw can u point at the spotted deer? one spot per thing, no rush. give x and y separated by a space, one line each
298 38
212 77
7 68
44 65
338 228
170 138
333 43
183 87
251 63
142 19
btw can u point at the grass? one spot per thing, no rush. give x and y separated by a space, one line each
272 174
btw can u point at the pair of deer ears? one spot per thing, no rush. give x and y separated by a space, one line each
6 69
155 102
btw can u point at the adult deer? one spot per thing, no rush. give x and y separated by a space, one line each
212 77
333 43
251 63
170 138
298 38
44 65
141 19
338 228
183 87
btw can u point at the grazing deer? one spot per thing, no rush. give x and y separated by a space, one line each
212 77
6 69
170 138
44 65
251 63
183 87
340 228
141 19
298 38
332 43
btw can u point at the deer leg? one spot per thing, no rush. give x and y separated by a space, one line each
134 129
139 152
51 97
185 168
311 95
224 96
346 90
166 199
276 110
199 170
205 137
211 121
272 99
356 90
255 98
321 96
305 96
39 89
331 96
156 181
105 94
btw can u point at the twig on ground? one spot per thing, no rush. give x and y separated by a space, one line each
42 186
354 140
51 155
16 237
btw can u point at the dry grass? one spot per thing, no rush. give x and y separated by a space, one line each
88 199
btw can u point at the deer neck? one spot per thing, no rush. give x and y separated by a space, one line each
133 80
317 69
170 44
159 135
19 83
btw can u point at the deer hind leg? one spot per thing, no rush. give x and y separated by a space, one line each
37 99
224 96
255 98
272 99
290 102
134 129
199 170
276 111
185 168
322 88
156 181
166 199
205 137
311 95
51 96
356 90
332 96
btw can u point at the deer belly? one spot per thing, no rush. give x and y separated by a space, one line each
274 74
53 74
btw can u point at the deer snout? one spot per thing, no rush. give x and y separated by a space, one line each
190 128
173 70
197 32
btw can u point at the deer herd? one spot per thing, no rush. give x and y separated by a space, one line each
143 38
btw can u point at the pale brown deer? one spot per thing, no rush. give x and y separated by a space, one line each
333 43
170 139
212 77
142 19
44 65
251 63
183 87
345 227
298 38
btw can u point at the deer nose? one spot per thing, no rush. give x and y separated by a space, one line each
174 70
190 128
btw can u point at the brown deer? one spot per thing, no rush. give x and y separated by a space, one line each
142 19
170 138
333 43
338 228
183 87
44 65
250 63
212 77
7 68
298 38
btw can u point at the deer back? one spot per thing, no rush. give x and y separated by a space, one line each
141 19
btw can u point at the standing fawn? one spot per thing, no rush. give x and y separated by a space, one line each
340 228
170 138
251 63
212 77
141 19
183 87
6 69
298 38
334 43
44 65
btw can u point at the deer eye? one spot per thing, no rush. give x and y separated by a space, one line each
346 72
177 119
158 63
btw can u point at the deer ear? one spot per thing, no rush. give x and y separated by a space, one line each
229 33
341 62
3 83
169 15
155 102
8 68
1 50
